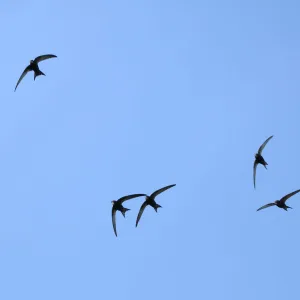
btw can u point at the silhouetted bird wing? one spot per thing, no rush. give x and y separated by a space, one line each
261 148
153 195
125 198
141 212
43 57
283 199
27 69
267 205
254 171
113 215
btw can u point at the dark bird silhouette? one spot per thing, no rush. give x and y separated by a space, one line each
259 159
280 203
33 66
117 205
150 201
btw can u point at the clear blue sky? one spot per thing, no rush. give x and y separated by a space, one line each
144 94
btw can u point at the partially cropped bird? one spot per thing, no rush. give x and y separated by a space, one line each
33 66
259 159
280 203
117 205
150 201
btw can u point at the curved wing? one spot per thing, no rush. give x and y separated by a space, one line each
283 199
153 195
141 212
113 215
43 57
254 171
27 69
261 148
267 205
125 198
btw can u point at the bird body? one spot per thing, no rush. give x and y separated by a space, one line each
260 160
118 206
281 204
150 201
33 66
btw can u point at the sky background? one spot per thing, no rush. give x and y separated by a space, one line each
145 94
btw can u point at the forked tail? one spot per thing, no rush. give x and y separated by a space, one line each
38 73
156 206
124 211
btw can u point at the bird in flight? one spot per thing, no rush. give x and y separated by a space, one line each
259 159
117 205
33 66
150 201
280 203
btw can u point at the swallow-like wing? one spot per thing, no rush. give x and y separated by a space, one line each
113 215
125 198
27 69
283 199
153 195
254 171
261 148
141 212
43 57
267 205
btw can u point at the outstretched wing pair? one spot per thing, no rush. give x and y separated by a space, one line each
152 197
35 61
120 201
282 200
261 148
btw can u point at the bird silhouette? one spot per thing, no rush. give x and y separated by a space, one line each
259 159
150 200
33 66
280 203
117 205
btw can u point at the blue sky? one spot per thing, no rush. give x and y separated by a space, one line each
145 94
